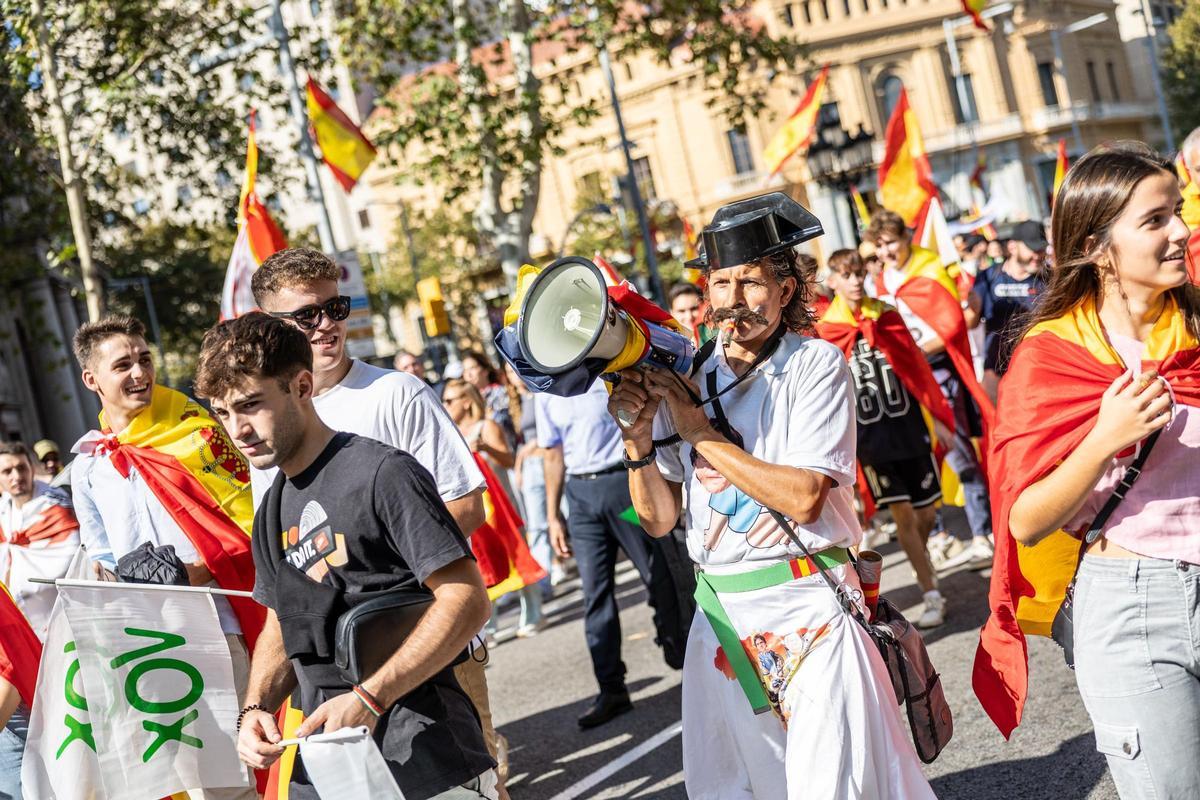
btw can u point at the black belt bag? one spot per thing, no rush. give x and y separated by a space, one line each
371 632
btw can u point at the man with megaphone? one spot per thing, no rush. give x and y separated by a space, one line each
782 435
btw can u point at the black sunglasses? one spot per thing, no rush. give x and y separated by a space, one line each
309 317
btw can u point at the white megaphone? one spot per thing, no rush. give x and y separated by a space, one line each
567 318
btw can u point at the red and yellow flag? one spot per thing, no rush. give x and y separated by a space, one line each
500 550
932 294
1191 215
974 9
343 147
20 648
797 132
905 177
1061 165
258 238
193 469
883 328
860 208
1048 402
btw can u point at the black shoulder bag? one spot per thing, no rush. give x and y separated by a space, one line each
1062 629
914 680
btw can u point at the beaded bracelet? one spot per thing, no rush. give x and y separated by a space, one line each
368 700
242 714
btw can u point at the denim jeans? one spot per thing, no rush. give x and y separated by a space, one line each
12 748
1137 664
537 527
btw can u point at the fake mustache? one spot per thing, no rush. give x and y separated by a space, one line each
738 315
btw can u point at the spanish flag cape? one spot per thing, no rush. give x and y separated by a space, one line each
203 482
932 294
1048 402
500 550
883 329
20 648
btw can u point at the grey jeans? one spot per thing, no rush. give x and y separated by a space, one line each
1137 663
482 787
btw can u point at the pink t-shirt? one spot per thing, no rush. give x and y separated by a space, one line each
1160 516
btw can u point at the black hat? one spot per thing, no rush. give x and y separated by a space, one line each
1031 234
751 229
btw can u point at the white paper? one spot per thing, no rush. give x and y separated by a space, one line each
347 763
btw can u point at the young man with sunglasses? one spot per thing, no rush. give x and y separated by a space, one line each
300 285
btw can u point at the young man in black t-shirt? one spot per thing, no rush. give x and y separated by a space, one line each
356 519
894 449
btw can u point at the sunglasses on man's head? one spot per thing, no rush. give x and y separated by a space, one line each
309 317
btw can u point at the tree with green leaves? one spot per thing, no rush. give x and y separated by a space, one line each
460 97
1181 65
107 77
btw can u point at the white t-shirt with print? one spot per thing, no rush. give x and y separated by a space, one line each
400 410
795 409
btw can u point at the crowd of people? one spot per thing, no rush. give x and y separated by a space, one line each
846 402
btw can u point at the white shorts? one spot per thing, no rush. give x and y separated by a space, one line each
836 732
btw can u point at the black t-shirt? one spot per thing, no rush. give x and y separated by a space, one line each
1002 296
362 519
890 424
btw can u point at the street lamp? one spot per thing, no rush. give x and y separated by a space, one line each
838 160
1056 38
1152 23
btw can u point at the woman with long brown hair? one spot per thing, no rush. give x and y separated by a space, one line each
1108 366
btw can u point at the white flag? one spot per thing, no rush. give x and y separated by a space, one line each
347 763
155 670
236 297
60 749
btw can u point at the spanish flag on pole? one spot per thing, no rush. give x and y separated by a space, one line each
343 147
973 9
1061 165
1049 400
797 133
258 238
905 177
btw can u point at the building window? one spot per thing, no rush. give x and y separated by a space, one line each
1112 81
1046 78
785 15
825 10
1093 83
968 89
889 89
806 8
590 185
364 219
866 4
645 178
628 70
739 148
846 7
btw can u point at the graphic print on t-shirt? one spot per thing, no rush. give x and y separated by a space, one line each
890 424
732 509
313 547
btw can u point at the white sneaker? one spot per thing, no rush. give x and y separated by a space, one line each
557 574
875 538
934 613
977 555
942 547
526 631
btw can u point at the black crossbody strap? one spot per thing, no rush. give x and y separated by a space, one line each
1126 483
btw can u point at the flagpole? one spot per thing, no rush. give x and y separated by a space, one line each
80 584
288 68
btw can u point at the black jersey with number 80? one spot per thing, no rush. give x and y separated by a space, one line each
890 424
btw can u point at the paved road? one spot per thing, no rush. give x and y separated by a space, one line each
539 686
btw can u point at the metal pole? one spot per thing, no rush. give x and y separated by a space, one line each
288 69
1152 46
1061 63
960 86
656 287
415 261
